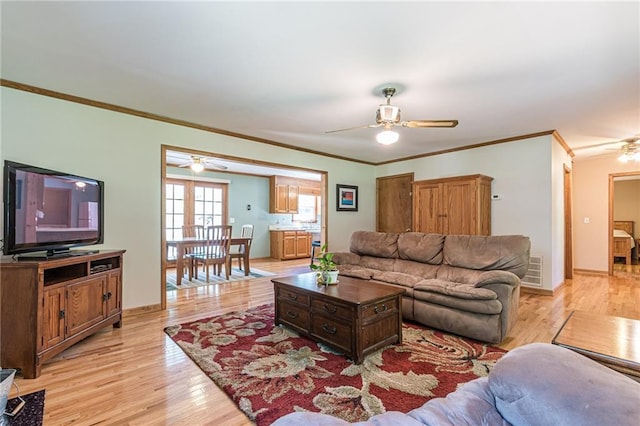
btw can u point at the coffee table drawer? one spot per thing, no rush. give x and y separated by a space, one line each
294 315
380 309
293 296
332 309
333 332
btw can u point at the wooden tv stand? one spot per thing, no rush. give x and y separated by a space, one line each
48 305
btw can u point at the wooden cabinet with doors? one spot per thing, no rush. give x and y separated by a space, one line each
283 194
456 205
287 245
48 305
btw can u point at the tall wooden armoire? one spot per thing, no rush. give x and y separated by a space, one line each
455 205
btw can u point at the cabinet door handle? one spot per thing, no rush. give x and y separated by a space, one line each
330 330
292 314
62 314
330 309
377 311
293 296
104 297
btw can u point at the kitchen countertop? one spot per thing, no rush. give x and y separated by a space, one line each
293 228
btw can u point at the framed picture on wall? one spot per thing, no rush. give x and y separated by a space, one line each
346 198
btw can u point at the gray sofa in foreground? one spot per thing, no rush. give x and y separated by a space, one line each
536 384
467 285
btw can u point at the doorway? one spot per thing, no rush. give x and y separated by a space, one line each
232 171
624 212
394 203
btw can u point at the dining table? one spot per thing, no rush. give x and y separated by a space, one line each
186 243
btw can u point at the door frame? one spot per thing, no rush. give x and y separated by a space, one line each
324 181
568 224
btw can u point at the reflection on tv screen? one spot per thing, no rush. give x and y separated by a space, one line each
55 208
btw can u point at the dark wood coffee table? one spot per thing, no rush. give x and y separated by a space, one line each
611 341
355 317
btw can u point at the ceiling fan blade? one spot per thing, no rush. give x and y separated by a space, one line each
354 128
185 165
429 123
215 165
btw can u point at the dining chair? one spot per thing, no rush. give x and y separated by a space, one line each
216 250
246 232
191 231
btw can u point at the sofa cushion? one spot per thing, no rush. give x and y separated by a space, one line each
504 252
475 306
471 404
543 384
398 278
378 263
343 257
418 269
448 288
355 271
425 248
379 244
390 418
458 275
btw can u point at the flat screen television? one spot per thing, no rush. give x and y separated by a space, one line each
50 211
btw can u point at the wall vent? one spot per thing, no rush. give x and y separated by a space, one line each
533 278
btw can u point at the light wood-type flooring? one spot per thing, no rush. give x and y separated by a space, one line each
136 375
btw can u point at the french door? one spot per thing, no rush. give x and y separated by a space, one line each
193 203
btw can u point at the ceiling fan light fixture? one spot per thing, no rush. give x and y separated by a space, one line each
197 167
387 137
629 156
388 113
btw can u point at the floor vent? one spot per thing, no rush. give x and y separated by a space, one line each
533 278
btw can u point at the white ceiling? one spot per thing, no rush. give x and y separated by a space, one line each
290 71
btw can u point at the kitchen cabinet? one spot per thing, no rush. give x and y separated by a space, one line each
457 205
283 195
287 245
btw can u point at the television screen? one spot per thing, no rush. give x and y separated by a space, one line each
49 210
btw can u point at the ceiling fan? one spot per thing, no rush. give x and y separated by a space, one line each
199 163
630 148
388 117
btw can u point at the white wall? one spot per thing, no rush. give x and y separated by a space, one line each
522 172
559 159
124 152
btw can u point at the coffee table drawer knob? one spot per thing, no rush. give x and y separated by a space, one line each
379 311
329 308
292 314
330 330
293 296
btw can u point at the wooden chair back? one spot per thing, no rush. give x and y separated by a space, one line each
218 240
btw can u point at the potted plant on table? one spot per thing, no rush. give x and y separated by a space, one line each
326 268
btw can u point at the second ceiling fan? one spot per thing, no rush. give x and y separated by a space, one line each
388 117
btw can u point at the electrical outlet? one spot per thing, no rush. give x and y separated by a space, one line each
496 196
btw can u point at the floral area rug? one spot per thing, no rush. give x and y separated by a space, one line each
269 371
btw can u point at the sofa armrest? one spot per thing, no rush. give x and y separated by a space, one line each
497 277
346 258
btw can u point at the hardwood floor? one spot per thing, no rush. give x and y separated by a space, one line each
136 375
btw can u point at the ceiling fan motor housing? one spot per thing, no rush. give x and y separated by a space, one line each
388 113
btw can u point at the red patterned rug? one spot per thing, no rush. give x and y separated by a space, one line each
271 371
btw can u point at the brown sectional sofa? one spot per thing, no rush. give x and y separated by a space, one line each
467 285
